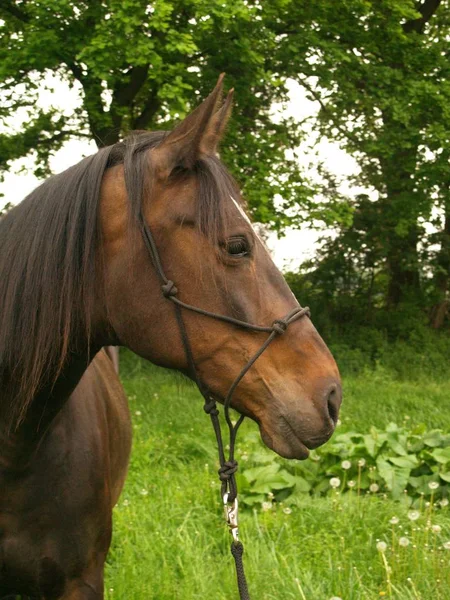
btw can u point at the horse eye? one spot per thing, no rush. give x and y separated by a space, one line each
237 247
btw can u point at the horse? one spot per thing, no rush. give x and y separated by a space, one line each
76 277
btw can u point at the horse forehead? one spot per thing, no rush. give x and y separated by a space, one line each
242 212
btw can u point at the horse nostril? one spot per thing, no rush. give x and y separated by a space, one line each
334 402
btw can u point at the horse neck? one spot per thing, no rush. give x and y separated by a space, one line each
18 447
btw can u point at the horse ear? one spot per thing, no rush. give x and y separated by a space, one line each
199 133
217 126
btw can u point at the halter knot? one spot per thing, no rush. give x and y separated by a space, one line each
279 326
169 289
227 470
210 408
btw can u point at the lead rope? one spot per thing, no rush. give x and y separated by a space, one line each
228 467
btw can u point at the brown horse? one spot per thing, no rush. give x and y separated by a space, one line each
75 276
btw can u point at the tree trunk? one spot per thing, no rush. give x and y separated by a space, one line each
441 309
403 266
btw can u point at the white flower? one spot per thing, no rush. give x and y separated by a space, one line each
374 487
287 510
126 502
413 515
335 482
381 546
446 545
351 484
138 413
346 464
433 485
362 462
444 502
394 520
266 506
270 496
436 528
403 541
144 492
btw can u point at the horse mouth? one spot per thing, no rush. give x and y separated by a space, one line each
285 441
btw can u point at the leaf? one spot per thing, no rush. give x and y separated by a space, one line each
445 476
433 439
409 462
261 473
300 483
251 500
441 455
396 478
371 444
396 446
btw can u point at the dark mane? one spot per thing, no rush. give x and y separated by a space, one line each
49 248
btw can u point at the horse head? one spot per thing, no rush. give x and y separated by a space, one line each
176 185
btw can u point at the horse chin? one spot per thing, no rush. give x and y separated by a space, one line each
287 446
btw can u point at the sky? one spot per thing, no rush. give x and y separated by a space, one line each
288 252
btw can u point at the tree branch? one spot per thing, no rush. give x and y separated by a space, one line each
125 93
427 10
14 11
150 108
327 111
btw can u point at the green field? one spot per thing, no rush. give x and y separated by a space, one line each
170 541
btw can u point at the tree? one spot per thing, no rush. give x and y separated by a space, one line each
143 65
380 71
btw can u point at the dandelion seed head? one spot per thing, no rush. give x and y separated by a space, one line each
394 521
433 485
351 484
266 506
335 482
374 487
362 462
403 541
436 528
443 502
413 515
346 465
287 510
446 545
381 546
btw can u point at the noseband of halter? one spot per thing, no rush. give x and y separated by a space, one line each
228 466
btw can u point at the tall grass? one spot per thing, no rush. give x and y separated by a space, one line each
170 541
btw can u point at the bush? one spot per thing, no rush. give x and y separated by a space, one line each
408 465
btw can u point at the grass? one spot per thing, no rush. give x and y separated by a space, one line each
170 541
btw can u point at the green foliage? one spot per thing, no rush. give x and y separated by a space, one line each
380 72
410 465
141 65
170 540
348 310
